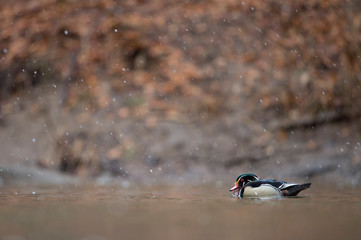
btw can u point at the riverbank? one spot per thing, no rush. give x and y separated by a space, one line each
181 91
93 145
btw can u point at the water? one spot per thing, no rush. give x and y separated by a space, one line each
180 212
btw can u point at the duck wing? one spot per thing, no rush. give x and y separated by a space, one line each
276 184
292 189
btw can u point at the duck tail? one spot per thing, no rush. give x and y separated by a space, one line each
295 189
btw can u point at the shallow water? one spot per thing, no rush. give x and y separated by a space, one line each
181 212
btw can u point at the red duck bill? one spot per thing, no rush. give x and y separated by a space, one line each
235 190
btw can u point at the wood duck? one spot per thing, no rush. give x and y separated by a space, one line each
249 185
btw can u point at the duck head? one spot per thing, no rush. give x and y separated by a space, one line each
241 181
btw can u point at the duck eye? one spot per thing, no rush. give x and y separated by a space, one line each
242 180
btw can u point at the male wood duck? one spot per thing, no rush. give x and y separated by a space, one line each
249 185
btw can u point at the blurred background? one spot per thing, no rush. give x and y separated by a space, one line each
180 91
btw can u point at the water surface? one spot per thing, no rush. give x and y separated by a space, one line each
181 212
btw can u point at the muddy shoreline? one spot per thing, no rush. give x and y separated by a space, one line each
189 151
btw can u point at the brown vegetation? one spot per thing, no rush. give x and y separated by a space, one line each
297 57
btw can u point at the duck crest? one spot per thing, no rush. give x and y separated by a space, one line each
248 177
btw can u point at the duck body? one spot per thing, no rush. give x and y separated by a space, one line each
250 186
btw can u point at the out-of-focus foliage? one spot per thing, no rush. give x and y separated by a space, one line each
295 57
130 61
